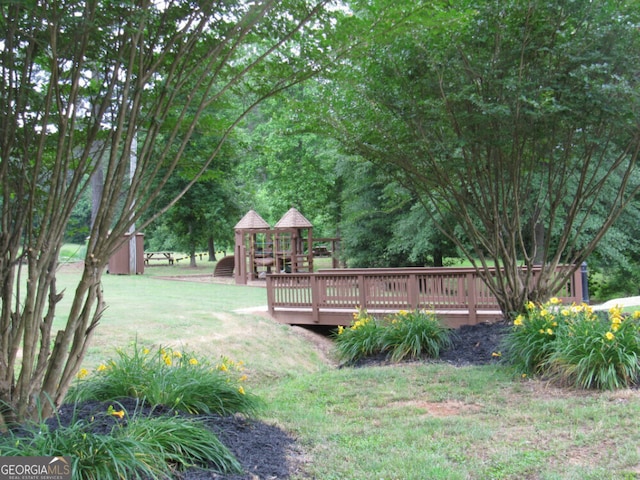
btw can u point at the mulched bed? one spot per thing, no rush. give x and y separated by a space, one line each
266 452
263 450
476 344
472 345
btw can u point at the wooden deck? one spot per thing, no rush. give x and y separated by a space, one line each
330 297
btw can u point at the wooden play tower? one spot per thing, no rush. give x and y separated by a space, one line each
260 249
293 234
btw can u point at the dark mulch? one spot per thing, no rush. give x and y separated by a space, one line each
476 344
266 452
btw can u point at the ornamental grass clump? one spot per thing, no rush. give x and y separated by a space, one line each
598 352
361 339
136 446
531 340
406 334
167 377
412 334
573 345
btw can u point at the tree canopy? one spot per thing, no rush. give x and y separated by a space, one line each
516 122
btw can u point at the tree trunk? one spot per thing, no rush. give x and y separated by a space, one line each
97 184
539 237
438 259
212 249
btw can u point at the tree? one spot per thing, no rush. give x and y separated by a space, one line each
98 82
288 164
207 212
514 121
210 208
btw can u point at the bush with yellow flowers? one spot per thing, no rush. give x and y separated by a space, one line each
406 334
168 377
360 339
531 340
576 346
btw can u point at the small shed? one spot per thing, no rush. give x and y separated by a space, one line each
253 247
294 243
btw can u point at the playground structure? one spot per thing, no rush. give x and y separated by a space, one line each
288 247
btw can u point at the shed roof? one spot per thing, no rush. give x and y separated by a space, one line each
252 221
293 219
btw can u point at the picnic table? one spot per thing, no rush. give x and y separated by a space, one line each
160 256
321 251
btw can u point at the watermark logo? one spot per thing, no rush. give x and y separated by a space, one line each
35 468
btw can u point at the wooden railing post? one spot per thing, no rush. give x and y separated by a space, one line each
270 295
576 283
472 301
362 291
315 298
412 291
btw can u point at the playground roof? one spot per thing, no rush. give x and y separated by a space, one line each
252 221
293 219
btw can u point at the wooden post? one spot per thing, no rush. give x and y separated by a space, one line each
412 291
362 291
472 301
315 298
578 291
270 295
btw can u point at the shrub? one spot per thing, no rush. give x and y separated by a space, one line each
170 378
530 342
597 352
183 442
361 339
575 346
137 447
414 334
399 336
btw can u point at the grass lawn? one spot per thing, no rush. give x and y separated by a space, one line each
411 421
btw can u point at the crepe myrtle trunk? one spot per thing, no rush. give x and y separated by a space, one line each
49 360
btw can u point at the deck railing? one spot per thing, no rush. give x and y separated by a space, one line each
330 297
